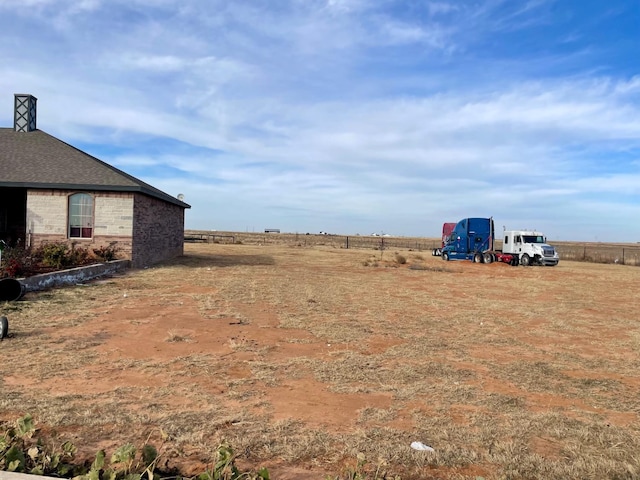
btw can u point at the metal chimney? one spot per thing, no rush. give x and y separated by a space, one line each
24 119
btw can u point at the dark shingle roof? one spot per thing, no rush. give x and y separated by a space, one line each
38 160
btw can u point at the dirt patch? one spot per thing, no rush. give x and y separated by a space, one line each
304 357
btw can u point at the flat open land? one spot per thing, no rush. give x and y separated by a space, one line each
304 357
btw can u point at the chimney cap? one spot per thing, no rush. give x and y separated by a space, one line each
25 96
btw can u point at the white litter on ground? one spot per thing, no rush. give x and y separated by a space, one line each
422 447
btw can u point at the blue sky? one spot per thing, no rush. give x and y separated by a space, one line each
348 116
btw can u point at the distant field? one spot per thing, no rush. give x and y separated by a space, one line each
617 253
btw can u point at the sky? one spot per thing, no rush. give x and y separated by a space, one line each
348 116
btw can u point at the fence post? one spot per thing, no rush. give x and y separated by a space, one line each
347 243
584 254
623 255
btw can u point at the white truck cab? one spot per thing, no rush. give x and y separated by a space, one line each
531 247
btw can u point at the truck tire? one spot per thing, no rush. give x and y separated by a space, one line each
488 258
477 258
445 256
525 260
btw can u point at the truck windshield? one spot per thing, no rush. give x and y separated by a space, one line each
533 238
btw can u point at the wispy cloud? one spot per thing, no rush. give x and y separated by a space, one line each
344 115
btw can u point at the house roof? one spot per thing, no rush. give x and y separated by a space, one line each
38 160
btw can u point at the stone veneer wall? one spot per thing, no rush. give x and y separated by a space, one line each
47 212
147 230
158 231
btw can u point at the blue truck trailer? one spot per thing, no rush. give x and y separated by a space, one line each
473 239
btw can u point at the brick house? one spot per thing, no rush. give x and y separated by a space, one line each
52 191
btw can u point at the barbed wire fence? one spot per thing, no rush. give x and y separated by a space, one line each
572 251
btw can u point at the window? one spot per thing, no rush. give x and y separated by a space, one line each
80 216
534 239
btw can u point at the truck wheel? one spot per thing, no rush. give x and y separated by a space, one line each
477 258
445 256
488 258
525 260
4 327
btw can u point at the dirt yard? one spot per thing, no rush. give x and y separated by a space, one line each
302 358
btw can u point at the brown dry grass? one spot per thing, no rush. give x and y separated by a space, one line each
302 357
594 252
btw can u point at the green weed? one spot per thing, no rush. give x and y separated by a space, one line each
19 452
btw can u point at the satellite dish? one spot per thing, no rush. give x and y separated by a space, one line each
181 197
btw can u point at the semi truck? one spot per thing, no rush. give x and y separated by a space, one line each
531 247
474 239
447 228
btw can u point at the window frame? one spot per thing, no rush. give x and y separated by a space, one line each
85 230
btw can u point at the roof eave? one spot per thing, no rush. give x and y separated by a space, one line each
101 188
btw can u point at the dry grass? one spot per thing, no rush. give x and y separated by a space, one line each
307 356
173 336
595 252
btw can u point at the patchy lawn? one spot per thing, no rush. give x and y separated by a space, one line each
302 358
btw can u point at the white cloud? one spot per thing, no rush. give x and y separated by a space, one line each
158 63
352 112
632 86
22 5
347 6
394 33
441 8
